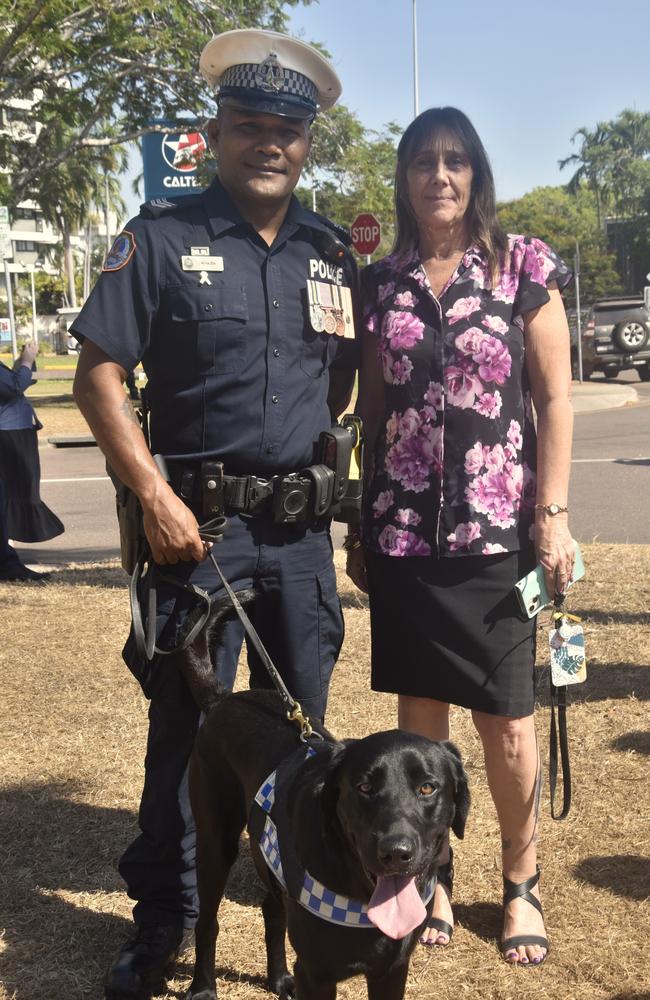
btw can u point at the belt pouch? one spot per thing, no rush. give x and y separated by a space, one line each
212 489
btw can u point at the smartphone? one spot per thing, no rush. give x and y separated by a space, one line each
531 592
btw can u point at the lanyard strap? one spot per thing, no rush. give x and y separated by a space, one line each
559 737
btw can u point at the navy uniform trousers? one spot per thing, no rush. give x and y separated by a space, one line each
298 616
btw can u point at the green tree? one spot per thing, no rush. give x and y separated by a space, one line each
560 219
351 170
106 70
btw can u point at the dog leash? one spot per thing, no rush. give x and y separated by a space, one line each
212 531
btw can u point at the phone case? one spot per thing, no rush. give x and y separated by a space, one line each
531 591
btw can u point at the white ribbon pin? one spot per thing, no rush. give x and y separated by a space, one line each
204 279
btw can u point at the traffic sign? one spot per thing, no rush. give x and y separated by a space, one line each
366 233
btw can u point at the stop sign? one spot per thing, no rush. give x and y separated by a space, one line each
366 233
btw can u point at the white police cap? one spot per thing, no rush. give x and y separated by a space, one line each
269 72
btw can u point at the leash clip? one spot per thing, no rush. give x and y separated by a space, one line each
306 731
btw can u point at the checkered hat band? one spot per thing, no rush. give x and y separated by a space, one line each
246 77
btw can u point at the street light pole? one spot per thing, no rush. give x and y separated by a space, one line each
34 327
416 98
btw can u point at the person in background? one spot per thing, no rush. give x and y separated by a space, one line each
239 303
26 517
464 330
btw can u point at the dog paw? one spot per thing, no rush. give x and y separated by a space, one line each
283 987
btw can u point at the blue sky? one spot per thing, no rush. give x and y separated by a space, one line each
527 74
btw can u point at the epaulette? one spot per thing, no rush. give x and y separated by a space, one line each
341 232
156 207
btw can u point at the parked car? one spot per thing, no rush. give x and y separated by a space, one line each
615 337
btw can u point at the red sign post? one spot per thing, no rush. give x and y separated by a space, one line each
366 233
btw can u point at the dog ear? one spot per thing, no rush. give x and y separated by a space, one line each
461 789
330 789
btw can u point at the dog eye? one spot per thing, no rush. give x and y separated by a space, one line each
428 788
365 788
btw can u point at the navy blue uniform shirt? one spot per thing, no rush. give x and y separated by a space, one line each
235 369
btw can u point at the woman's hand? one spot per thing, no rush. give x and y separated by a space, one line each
28 354
355 568
555 550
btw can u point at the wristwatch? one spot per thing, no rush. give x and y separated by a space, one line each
551 508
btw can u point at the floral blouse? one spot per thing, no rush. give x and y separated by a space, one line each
455 457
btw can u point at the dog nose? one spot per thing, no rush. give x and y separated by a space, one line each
396 851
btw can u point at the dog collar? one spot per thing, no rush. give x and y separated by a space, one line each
310 893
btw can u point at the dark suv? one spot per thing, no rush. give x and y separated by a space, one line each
615 336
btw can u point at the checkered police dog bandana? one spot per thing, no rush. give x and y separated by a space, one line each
312 894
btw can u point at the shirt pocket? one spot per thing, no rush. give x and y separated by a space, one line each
216 320
318 351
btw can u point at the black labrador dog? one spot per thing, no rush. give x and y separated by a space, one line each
346 835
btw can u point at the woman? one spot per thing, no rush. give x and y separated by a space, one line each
28 519
463 327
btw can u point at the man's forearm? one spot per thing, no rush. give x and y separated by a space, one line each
100 396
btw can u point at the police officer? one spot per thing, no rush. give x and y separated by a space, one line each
238 303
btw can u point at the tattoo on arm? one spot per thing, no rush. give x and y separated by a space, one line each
129 412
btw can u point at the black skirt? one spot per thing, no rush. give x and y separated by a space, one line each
28 518
450 629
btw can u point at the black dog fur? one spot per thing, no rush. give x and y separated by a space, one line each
358 810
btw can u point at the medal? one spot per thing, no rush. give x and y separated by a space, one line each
330 322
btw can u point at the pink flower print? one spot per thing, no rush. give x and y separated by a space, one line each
392 427
462 387
411 460
433 395
370 321
385 291
399 542
474 459
406 300
514 434
469 342
463 308
409 422
532 262
492 548
494 459
495 323
402 330
383 502
529 487
507 287
406 516
493 359
488 405
510 452
464 535
402 371
497 494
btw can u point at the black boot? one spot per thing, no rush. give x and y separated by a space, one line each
144 961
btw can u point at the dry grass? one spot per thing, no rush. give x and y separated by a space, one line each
72 744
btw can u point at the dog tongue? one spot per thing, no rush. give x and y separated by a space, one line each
395 906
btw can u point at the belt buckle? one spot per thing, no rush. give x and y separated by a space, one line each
259 490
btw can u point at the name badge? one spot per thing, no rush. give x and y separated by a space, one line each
330 308
201 263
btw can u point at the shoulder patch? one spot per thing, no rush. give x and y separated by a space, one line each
121 252
156 207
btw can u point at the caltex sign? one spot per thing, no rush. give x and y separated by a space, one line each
170 162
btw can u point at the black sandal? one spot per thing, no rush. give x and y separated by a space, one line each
446 878
516 890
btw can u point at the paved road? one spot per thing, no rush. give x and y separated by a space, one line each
610 490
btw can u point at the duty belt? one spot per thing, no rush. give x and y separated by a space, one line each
206 486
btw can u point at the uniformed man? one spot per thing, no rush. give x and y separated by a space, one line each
238 303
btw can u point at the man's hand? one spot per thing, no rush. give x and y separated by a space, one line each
171 529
